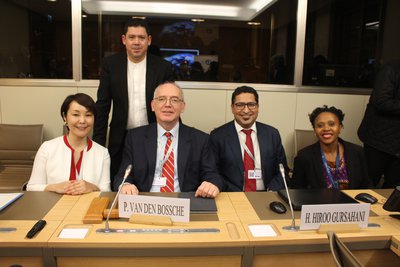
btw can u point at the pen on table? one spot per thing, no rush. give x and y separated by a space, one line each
7 229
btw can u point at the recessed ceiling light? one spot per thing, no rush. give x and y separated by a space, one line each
372 25
254 23
138 17
198 20
84 16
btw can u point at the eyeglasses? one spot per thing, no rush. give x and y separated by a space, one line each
173 100
250 105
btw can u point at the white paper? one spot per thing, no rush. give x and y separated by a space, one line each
159 181
8 198
73 233
262 230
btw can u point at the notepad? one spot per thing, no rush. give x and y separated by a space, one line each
262 230
75 231
7 198
199 204
79 233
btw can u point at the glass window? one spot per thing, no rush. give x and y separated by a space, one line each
205 49
36 39
347 41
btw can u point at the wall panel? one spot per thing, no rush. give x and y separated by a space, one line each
35 105
205 109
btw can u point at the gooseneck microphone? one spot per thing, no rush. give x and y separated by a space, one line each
107 227
293 226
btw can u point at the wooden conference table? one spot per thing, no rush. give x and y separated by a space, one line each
234 245
309 248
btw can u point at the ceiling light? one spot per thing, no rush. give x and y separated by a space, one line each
198 20
184 10
167 9
254 23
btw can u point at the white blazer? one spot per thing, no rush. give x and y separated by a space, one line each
53 165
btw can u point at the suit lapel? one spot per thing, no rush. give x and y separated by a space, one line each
318 168
149 80
124 80
262 143
234 144
184 146
349 158
151 149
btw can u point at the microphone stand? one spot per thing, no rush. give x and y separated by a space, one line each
293 226
106 228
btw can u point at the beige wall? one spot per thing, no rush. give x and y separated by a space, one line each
205 109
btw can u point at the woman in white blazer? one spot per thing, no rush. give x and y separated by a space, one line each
72 164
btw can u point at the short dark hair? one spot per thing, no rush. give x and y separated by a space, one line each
82 99
315 113
244 89
136 22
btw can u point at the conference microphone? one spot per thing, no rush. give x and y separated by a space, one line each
107 227
292 227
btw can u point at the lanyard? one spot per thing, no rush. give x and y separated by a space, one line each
169 151
334 180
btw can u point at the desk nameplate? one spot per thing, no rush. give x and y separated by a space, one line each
313 216
178 209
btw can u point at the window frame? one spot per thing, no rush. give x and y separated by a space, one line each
297 86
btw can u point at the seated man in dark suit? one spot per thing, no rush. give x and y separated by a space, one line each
248 153
168 156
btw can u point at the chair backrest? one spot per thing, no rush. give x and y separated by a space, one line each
18 147
19 143
303 138
341 253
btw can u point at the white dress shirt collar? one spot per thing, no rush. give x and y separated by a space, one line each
239 128
161 131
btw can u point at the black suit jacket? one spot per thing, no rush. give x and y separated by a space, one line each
308 167
225 144
380 126
113 89
195 162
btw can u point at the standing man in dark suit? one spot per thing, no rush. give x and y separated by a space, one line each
128 81
168 156
380 127
243 140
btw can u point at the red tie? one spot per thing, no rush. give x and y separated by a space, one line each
168 167
248 162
